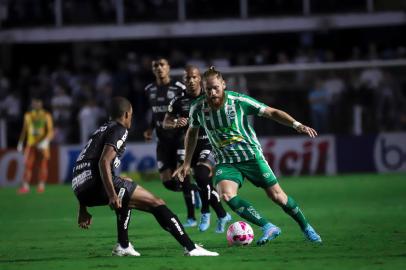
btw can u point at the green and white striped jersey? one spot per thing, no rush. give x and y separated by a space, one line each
231 136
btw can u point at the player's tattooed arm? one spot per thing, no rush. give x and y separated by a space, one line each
287 120
105 161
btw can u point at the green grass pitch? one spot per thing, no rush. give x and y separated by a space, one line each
361 218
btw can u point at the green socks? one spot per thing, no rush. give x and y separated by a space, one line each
293 210
245 210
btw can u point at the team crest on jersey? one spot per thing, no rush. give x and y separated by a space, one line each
230 112
170 94
266 175
219 172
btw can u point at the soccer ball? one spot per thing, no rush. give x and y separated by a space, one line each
239 233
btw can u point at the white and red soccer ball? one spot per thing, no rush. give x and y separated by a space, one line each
239 233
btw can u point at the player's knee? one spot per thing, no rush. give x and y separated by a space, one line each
157 202
227 196
172 185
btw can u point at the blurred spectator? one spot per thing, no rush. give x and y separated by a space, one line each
61 104
282 58
335 88
89 117
197 60
366 99
318 99
389 102
10 111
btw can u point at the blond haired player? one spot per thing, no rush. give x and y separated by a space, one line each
38 132
223 115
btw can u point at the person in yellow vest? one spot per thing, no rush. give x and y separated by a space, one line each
38 132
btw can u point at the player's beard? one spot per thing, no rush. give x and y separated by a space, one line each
216 103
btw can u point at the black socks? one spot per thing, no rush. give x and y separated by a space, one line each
188 194
123 219
170 222
207 192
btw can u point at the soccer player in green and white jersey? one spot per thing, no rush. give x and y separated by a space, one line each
223 115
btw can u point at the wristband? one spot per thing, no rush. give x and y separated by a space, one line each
296 124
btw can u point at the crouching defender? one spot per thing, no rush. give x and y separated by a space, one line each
95 184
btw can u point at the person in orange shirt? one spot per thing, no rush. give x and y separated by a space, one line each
38 130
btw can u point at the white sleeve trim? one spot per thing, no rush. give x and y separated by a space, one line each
261 111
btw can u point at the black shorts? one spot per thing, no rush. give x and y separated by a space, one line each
169 155
203 154
94 194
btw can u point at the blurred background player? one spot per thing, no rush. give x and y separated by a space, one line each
223 115
95 184
202 161
38 132
170 148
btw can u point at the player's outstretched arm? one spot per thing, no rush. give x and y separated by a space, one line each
287 120
105 161
190 145
84 218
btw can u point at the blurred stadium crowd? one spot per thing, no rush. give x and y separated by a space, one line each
76 80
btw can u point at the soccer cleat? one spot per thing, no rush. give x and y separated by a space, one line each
190 222
120 251
199 251
204 222
222 222
23 190
198 200
270 233
311 234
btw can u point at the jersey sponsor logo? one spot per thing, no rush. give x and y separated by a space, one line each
101 129
83 165
219 172
231 141
158 109
81 178
170 94
160 99
170 107
119 143
116 162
